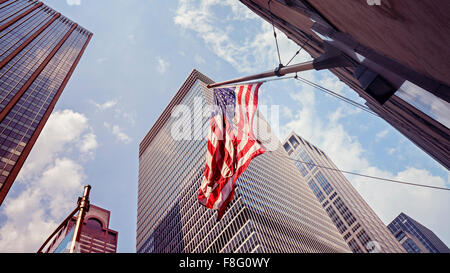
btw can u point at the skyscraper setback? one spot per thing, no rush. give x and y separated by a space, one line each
39 50
273 209
360 227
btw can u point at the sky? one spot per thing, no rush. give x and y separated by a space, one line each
139 56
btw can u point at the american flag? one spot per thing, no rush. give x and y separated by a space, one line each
231 144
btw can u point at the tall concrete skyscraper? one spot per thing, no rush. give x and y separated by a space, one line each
96 236
401 75
39 50
415 237
273 209
360 227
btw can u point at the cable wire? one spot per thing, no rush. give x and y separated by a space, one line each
298 51
336 95
328 91
372 177
274 32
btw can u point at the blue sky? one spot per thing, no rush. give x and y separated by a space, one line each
140 54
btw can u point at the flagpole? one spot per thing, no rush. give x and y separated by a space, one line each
279 71
58 228
83 206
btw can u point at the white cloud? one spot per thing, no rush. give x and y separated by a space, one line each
62 128
88 143
430 207
333 83
118 133
256 52
132 39
199 59
106 105
119 111
162 66
391 151
128 116
52 182
73 2
121 135
102 60
381 135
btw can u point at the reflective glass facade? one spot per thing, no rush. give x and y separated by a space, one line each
356 221
39 49
415 237
273 209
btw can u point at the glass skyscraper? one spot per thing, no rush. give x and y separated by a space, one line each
39 50
360 227
273 209
408 231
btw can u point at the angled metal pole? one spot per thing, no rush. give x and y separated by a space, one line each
58 229
280 71
83 205
331 58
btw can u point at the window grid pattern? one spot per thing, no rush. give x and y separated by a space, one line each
20 123
354 246
363 238
429 240
338 189
410 246
317 192
336 219
16 73
344 211
13 36
323 182
300 166
11 10
170 172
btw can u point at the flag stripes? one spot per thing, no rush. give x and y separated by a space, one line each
231 145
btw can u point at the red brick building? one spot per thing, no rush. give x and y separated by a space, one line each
96 236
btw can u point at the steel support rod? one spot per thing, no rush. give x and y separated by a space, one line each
277 72
58 228
83 208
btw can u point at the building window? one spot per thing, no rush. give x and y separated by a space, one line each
346 236
294 142
333 196
316 190
307 161
356 227
354 246
426 102
94 223
288 148
400 236
344 211
363 238
336 220
324 183
410 246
